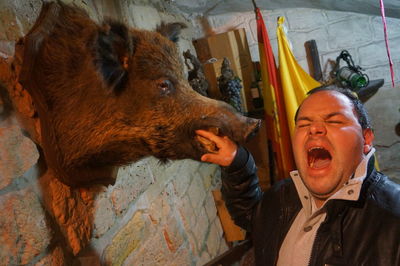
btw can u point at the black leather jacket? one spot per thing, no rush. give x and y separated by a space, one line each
363 232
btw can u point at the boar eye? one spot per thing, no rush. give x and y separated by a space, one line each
166 87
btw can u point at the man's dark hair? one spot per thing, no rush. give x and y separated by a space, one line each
359 108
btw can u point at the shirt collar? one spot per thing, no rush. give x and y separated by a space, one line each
350 191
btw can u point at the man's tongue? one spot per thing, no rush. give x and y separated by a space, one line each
319 158
320 163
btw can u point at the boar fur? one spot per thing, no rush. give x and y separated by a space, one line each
108 95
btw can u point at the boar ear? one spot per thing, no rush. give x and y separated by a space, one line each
171 30
114 48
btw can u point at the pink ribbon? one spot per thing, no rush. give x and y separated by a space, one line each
387 41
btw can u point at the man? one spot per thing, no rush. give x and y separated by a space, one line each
336 209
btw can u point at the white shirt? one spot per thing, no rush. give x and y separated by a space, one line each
297 245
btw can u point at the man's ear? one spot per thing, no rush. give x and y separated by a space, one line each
114 49
368 139
171 30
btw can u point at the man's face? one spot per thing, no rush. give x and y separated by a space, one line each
328 142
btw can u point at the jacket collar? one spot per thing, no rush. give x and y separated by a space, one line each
350 191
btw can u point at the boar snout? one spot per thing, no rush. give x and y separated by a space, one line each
244 128
229 123
239 129
252 128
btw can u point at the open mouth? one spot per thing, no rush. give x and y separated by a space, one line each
318 157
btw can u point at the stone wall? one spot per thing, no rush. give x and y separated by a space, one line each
155 214
333 32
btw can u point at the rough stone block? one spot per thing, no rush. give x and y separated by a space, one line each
305 19
110 9
336 15
183 256
173 234
386 141
380 72
255 55
144 17
210 207
385 135
353 31
299 38
17 153
157 168
162 174
223 246
375 53
160 208
208 172
9 26
220 21
396 65
26 13
23 230
213 240
182 183
196 193
6 49
204 258
125 241
132 181
252 37
187 213
88 6
152 252
104 217
72 210
200 229
189 166
393 27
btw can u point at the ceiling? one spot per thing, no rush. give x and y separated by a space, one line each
216 7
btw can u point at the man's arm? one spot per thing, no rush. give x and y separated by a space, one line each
240 188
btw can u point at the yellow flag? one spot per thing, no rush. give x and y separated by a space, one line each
295 81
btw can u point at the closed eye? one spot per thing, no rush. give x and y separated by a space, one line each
334 122
303 125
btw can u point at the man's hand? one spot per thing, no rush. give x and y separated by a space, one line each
226 149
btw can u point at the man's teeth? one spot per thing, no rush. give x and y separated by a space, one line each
315 148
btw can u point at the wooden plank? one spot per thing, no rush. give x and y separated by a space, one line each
232 232
233 45
244 64
212 71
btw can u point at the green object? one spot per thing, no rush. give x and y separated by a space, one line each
351 78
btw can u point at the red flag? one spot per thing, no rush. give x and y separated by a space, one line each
275 113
